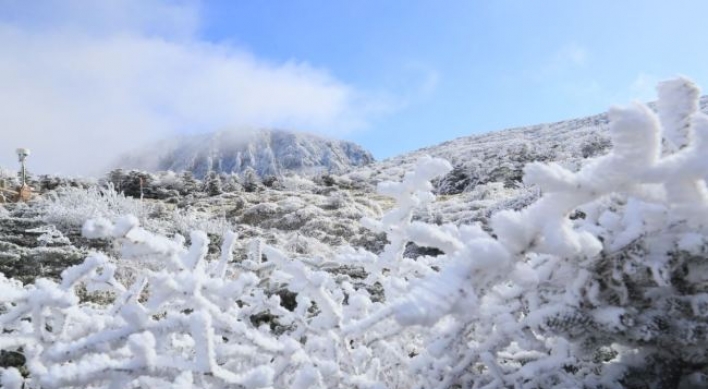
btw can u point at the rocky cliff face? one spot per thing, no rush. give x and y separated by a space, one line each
268 152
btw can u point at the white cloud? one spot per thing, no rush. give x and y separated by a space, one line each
82 81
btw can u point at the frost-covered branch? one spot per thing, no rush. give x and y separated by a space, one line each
599 283
541 269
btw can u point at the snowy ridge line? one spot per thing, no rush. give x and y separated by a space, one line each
499 156
598 283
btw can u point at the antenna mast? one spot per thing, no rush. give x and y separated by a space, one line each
22 154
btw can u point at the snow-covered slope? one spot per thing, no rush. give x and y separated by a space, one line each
268 152
499 156
488 168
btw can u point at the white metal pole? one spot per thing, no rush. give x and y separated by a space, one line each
23 172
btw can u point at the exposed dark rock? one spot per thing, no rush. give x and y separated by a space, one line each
287 299
412 250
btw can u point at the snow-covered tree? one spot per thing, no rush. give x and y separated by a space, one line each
250 180
189 183
230 183
213 183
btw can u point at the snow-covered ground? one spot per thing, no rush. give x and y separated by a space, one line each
568 255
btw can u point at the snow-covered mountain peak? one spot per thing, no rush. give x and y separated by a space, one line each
268 152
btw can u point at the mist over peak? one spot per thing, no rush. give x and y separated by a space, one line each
270 152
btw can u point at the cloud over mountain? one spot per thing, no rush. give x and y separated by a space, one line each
95 79
268 152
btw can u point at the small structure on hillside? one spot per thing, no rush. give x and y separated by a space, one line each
22 192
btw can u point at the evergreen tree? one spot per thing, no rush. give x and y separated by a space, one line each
117 177
230 183
189 183
271 181
250 180
214 184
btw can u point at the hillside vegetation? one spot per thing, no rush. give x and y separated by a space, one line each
586 268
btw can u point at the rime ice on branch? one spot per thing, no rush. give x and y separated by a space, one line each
541 270
600 283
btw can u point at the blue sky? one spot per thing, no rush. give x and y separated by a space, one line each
97 78
461 67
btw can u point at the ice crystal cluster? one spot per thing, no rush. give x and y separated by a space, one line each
601 282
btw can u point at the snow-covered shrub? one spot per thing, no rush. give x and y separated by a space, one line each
161 185
185 220
594 146
45 183
598 283
296 182
49 236
71 207
259 213
298 218
192 324
359 179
